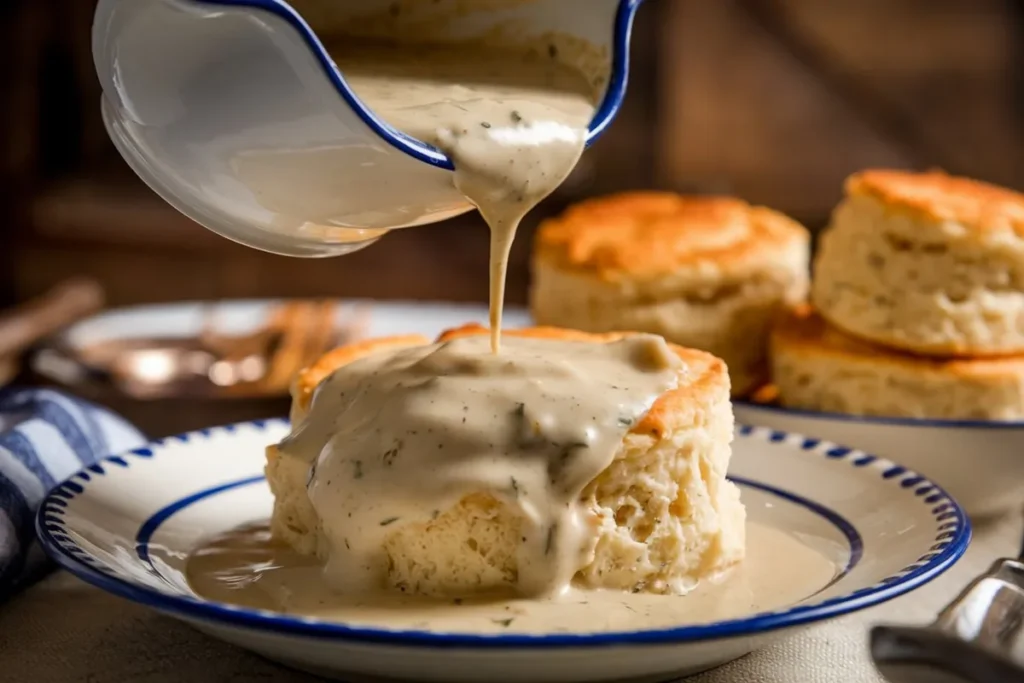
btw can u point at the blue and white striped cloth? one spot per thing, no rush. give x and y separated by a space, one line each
45 437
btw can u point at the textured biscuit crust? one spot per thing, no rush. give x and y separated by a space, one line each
817 367
925 262
704 272
664 514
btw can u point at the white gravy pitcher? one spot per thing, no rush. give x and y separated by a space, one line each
233 112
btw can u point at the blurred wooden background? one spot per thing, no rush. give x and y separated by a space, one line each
773 100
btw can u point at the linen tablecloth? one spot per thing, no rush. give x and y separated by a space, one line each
45 437
64 630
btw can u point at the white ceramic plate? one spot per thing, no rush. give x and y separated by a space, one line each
128 523
978 463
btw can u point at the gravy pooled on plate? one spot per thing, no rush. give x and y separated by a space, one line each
513 122
247 567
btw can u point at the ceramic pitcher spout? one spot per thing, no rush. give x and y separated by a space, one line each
234 113
618 72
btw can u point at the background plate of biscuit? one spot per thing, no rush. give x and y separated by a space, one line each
127 524
913 349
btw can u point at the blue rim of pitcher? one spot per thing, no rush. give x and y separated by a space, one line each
418 149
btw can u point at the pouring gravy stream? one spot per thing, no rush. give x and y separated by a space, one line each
514 124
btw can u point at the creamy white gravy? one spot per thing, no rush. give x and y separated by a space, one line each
514 124
247 567
398 437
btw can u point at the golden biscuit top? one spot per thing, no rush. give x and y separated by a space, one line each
702 377
936 196
651 233
805 332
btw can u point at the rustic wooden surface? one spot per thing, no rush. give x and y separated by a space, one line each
778 100
942 76
751 120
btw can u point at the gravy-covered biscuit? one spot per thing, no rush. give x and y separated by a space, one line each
703 272
817 367
925 262
662 513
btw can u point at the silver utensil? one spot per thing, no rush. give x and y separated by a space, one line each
977 638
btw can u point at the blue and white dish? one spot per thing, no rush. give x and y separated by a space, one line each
978 462
128 524
232 109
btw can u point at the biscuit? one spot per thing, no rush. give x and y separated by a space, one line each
925 262
703 272
664 514
817 367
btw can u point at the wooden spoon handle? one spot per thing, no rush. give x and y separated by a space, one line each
71 300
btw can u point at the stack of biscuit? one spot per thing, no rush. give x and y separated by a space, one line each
918 297
709 273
